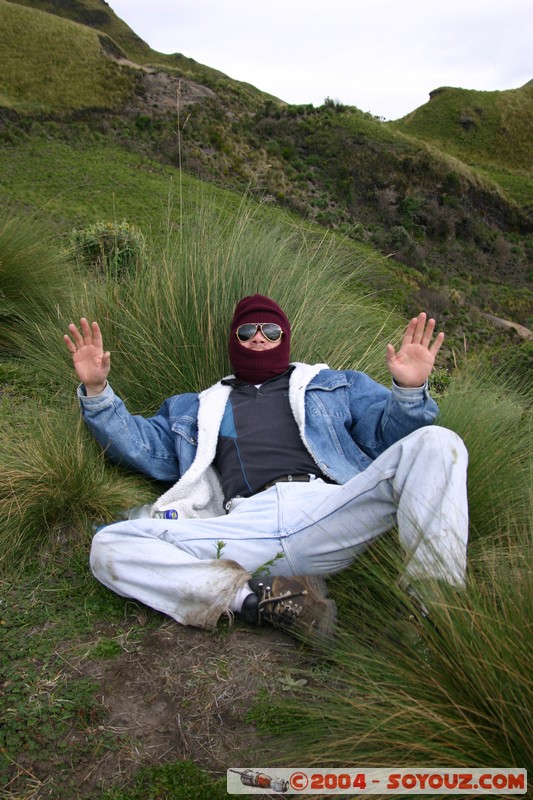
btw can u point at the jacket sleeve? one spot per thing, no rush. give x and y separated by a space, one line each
381 416
144 444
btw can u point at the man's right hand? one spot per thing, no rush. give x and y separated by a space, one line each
91 363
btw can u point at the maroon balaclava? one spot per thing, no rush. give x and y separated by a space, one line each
252 366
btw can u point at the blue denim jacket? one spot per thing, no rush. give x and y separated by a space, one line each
346 420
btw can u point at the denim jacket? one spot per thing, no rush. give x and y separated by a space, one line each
345 418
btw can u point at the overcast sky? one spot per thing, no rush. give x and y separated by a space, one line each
383 56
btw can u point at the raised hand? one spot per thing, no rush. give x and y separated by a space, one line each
412 364
91 363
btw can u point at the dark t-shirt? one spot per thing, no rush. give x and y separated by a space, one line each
259 439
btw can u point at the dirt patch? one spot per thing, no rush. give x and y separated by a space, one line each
180 693
521 330
159 91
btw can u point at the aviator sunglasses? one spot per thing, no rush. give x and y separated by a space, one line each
270 331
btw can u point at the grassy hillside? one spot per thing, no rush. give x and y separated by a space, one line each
65 67
488 130
482 127
120 40
94 14
77 183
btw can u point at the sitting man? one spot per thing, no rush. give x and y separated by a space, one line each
285 468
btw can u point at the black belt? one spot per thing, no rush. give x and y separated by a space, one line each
282 479
286 479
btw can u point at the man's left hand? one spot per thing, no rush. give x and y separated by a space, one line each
412 364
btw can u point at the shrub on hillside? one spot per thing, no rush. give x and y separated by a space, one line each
114 249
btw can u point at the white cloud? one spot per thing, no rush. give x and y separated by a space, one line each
383 56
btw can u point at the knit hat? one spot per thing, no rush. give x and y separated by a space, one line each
253 366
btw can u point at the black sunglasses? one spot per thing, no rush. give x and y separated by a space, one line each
270 331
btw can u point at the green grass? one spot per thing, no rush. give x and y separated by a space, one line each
64 36
490 131
81 179
172 314
47 613
94 14
33 265
65 67
55 482
182 780
495 420
79 184
480 127
516 184
105 170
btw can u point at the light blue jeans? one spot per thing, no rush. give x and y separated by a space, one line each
191 569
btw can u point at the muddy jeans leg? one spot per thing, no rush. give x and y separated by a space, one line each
190 569
418 484
160 575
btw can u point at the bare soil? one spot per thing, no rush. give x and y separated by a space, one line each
180 693
160 91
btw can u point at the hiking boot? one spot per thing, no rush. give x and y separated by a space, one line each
296 604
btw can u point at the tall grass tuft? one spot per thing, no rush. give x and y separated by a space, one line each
495 421
456 691
33 267
55 482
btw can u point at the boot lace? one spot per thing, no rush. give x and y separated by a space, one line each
279 608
